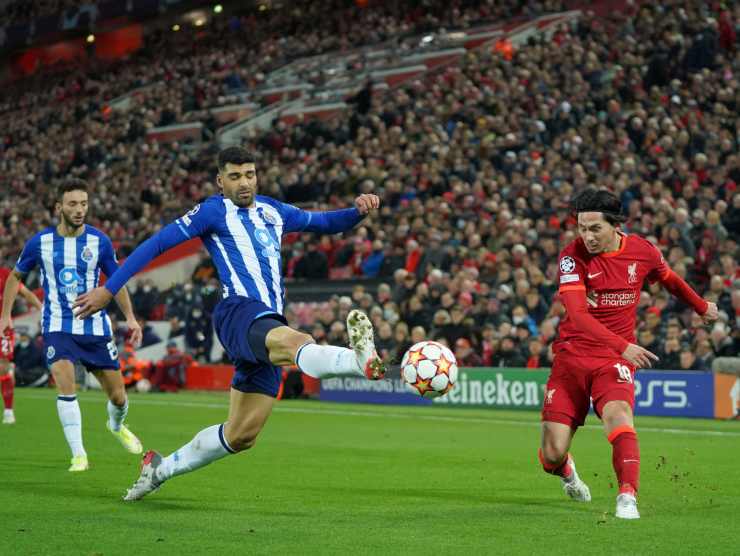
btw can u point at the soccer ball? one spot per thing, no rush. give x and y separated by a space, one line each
143 386
429 369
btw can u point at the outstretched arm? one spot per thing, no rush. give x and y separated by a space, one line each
678 287
95 300
333 221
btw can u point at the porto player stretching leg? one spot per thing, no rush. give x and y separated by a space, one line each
601 274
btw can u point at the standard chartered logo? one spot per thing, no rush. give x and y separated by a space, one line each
496 389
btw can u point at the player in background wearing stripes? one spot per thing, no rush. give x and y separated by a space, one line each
7 347
601 274
71 256
242 231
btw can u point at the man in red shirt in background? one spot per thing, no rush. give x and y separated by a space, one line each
169 374
7 346
601 274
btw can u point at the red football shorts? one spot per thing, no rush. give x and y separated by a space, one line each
7 345
576 380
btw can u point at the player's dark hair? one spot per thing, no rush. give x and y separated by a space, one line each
234 155
71 184
599 200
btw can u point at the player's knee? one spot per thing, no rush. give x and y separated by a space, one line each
299 339
118 397
552 455
617 413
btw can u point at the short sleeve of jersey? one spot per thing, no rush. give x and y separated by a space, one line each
108 260
294 219
571 271
659 268
200 219
29 256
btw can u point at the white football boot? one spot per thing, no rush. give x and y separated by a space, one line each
8 417
360 332
147 481
627 507
574 486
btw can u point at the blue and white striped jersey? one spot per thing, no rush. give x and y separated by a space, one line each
69 267
244 243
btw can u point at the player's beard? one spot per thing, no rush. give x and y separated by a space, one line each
71 224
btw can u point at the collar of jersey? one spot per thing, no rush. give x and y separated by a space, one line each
622 245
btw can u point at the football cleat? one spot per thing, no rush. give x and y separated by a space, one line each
8 417
574 486
360 331
127 439
147 481
79 463
627 507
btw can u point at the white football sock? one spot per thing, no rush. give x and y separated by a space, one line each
325 361
71 419
117 414
208 445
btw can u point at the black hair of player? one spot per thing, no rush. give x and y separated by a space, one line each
71 184
599 200
234 155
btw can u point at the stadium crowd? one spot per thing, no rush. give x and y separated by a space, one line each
475 165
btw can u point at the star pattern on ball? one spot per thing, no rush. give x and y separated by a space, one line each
415 357
444 365
423 386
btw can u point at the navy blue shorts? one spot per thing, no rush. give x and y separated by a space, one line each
94 352
232 319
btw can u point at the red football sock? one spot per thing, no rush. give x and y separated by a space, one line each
7 383
626 458
561 469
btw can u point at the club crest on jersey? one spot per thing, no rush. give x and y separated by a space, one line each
87 254
50 352
632 273
269 218
567 265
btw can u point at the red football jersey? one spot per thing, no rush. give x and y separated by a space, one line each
611 283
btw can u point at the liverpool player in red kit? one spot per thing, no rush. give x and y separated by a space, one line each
601 274
7 346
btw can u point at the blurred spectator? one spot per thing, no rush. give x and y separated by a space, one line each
199 335
133 369
169 373
148 336
466 355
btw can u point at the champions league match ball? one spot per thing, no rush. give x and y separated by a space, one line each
429 369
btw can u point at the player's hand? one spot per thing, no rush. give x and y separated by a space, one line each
91 302
134 330
712 313
367 202
5 324
639 356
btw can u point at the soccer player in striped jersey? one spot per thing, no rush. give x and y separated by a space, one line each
71 256
7 346
242 232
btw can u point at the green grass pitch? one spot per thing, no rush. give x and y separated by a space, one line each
359 479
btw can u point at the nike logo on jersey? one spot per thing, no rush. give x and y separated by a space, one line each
591 276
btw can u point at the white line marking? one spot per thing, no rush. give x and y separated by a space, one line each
418 416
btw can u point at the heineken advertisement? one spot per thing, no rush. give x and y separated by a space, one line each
504 388
481 386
